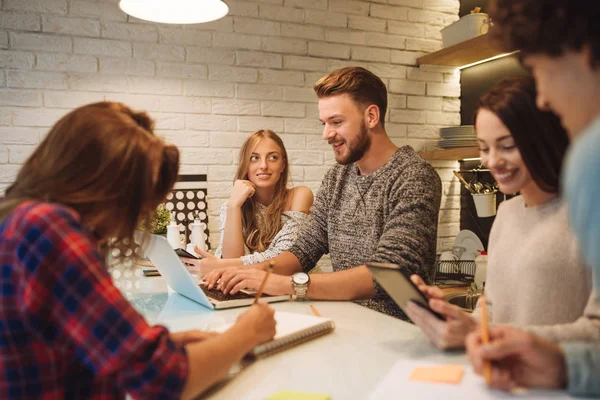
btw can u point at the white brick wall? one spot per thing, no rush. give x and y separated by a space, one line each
208 85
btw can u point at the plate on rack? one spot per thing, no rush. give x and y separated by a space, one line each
470 242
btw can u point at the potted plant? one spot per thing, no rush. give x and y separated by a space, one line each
156 224
160 220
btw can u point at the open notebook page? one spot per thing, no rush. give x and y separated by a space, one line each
288 323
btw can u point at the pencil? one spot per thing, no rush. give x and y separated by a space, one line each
485 339
315 311
262 285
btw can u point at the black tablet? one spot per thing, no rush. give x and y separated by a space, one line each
185 254
395 280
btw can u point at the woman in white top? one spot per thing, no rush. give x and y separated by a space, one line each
535 276
262 216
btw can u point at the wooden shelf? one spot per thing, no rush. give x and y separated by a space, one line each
464 53
457 153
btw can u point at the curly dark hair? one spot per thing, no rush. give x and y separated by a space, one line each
547 26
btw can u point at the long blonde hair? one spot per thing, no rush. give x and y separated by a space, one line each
259 232
103 161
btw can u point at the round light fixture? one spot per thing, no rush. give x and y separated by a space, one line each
175 11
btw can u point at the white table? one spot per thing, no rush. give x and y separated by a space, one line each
346 364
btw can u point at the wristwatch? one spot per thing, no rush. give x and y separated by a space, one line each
300 282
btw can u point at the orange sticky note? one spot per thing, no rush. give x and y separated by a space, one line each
440 374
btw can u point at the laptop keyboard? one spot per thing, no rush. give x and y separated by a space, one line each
218 295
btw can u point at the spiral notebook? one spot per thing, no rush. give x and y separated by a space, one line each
291 330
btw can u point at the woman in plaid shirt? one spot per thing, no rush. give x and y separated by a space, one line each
65 329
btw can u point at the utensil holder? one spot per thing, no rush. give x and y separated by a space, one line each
485 204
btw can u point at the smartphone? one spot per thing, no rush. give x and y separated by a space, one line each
395 280
185 253
150 272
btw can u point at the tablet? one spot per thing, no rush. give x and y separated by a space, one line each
185 254
395 280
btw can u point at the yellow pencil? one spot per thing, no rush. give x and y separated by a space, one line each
315 311
485 339
262 285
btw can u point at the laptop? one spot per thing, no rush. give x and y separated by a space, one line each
179 279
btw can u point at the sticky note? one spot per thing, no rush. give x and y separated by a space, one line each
288 395
439 374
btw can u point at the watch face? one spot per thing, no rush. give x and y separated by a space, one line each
300 278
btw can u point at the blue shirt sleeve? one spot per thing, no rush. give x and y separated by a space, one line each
583 368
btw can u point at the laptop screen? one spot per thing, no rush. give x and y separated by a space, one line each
175 273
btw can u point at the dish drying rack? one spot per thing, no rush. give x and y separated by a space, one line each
448 272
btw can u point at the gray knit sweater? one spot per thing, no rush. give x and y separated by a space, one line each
388 216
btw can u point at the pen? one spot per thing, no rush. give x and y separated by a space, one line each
485 339
262 285
315 311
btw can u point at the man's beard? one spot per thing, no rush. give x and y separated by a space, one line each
357 149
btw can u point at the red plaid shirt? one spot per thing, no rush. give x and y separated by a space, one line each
65 330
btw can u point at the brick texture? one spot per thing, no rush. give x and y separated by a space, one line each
209 85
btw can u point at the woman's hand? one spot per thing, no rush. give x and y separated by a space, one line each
186 337
518 359
258 321
433 292
448 334
241 191
204 265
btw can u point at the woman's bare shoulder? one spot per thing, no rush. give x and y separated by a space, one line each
300 198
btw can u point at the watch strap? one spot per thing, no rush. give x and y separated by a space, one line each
299 289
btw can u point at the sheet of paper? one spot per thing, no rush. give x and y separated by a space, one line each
396 383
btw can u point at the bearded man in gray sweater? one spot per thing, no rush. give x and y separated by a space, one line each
379 204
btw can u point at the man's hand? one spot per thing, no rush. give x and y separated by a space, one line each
236 279
224 274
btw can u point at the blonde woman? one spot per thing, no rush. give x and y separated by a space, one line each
262 216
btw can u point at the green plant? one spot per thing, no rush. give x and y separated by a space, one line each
160 220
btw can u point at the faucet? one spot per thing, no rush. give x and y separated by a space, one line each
472 296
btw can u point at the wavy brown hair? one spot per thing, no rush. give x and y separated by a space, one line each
259 232
103 161
539 135
363 86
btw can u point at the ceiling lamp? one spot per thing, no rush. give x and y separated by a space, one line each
175 11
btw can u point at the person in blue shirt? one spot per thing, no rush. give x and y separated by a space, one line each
564 58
